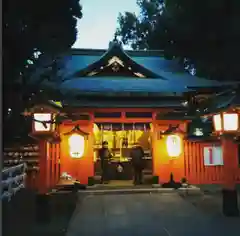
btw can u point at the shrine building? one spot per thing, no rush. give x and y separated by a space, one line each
123 97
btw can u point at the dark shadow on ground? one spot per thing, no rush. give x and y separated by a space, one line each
209 203
19 215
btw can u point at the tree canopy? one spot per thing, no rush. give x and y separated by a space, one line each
32 28
203 34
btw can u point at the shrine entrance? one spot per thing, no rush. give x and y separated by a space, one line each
120 138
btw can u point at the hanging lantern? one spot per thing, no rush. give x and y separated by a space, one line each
174 145
76 145
77 142
226 122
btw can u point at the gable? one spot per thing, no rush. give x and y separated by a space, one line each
115 67
115 62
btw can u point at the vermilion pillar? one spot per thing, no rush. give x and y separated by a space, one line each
48 165
155 157
230 198
53 156
43 168
57 159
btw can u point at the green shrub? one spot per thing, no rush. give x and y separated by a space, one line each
155 179
91 181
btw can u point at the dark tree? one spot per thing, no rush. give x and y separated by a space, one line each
138 31
201 33
32 30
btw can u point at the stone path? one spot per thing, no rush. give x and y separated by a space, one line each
165 214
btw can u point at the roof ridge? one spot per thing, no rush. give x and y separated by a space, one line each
100 52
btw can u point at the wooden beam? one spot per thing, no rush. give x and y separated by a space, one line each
123 120
82 110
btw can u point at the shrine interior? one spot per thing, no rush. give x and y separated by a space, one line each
120 138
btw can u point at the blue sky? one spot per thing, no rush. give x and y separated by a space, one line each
99 21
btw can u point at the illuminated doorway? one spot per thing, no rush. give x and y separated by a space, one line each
120 138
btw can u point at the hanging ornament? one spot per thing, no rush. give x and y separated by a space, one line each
119 168
115 67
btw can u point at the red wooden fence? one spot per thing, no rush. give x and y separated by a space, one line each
195 170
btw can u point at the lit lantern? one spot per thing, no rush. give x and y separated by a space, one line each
42 122
43 117
76 145
226 122
43 127
174 145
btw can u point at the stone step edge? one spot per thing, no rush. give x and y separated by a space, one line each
141 190
153 186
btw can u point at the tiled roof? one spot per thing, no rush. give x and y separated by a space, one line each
168 69
176 79
225 101
118 84
74 63
86 103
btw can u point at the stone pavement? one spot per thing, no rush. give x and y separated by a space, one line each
209 203
160 214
